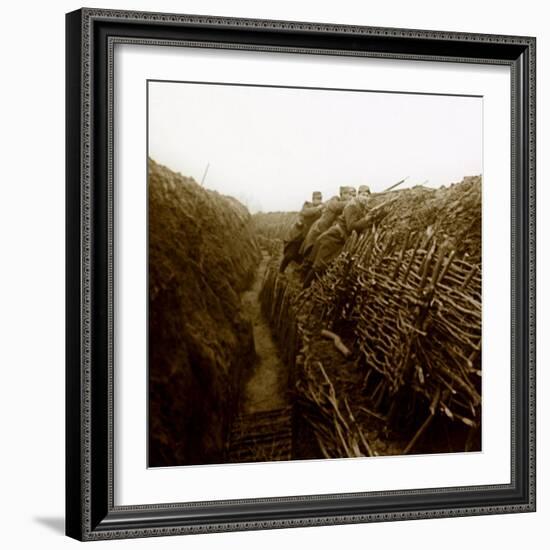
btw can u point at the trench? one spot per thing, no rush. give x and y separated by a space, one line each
262 429
244 377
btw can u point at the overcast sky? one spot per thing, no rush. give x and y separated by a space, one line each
271 147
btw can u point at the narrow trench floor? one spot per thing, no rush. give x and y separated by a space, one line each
267 387
262 430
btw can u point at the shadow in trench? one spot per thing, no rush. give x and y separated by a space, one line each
262 431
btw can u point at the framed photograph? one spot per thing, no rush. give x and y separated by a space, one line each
300 274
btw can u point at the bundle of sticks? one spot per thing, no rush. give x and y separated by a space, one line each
403 303
414 309
331 419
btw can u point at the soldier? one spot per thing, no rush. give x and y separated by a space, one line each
308 214
332 209
352 191
330 243
355 210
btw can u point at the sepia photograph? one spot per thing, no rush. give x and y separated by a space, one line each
314 273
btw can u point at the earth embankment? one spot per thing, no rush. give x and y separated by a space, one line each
202 256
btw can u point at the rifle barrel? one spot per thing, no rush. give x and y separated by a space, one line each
395 185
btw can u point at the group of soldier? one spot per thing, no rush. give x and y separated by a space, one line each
321 229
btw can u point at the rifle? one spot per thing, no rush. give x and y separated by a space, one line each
395 185
381 205
369 218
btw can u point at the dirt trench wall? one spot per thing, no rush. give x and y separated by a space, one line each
202 254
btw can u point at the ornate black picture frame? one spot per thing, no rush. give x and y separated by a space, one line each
90 510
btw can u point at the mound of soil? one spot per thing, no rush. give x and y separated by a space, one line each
453 211
273 225
202 255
